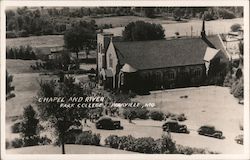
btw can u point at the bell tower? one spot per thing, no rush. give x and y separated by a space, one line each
103 40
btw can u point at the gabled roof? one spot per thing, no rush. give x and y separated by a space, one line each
210 53
143 55
127 68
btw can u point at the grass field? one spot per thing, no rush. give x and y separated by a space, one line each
184 29
36 41
57 40
124 20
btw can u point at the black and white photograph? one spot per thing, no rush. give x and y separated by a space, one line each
125 80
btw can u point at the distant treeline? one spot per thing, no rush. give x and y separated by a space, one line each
24 21
22 52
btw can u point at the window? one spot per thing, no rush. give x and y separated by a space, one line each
197 73
122 79
146 76
99 49
171 75
158 76
110 61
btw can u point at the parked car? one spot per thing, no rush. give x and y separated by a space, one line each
239 139
108 123
210 131
174 126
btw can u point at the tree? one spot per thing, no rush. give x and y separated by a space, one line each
29 126
143 31
149 12
81 36
9 87
235 27
178 13
59 117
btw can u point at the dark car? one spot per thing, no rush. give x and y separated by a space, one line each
108 123
239 139
174 126
210 131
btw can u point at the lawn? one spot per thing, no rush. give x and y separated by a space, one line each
70 149
204 105
26 86
26 83
20 66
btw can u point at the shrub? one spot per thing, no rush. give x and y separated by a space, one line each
44 141
189 150
10 34
145 145
235 27
167 144
23 33
135 112
132 94
112 141
87 138
126 143
148 145
17 143
30 141
157 115
241 127
237 89
141 145
141 113
129 143
228 81
16 128
7 145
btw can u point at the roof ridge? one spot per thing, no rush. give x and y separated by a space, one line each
174 39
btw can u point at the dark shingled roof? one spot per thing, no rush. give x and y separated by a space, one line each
163 53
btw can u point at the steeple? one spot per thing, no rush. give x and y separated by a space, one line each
203 32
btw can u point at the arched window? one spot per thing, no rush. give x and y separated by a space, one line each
110 61
158 76
99 48
171 75
122 78
197 72
146 76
